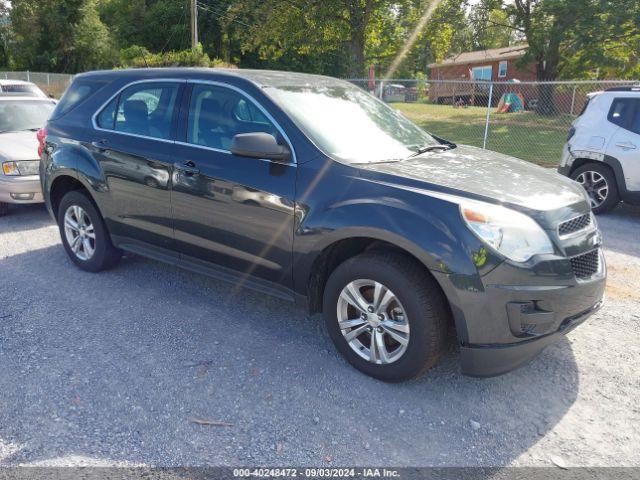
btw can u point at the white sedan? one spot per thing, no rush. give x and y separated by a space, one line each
20 119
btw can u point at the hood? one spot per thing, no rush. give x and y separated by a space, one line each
15 146
488 174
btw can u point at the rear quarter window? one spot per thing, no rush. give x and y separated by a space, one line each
78 92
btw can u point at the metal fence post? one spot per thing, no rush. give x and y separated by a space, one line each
28 76
573 99
486 125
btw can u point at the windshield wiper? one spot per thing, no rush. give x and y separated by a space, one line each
375 162
431 148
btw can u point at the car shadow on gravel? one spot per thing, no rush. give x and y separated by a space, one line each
129 366
620 229
24 218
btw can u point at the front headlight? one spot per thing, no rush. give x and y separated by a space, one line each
10 168
513 234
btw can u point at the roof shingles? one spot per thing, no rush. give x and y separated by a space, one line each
515 51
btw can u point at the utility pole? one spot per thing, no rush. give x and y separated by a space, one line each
194 24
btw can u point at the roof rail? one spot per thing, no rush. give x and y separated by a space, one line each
629 88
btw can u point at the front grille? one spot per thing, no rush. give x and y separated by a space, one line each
586 265
574 225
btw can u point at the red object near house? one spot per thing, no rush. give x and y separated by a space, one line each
372 78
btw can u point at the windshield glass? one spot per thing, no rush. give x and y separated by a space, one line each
16 115
349 124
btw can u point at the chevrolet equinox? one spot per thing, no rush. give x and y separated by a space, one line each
310 189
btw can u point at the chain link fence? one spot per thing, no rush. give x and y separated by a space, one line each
53 84
528 120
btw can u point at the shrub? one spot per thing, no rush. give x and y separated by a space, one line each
139 57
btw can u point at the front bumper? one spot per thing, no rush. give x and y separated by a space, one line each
492 360
564 168
506 317
20 189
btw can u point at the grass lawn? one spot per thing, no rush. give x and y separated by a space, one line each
524 135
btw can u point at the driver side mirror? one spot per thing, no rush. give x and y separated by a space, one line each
259 145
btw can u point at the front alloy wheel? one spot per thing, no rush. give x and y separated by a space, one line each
385 314
373 321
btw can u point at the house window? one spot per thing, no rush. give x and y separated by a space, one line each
482 73
502 69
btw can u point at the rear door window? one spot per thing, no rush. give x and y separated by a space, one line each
624 112
145 109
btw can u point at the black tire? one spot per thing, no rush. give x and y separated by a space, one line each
424 303
613 197
105 254
4 209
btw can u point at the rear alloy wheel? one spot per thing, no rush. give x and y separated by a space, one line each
84 235
600 184
79 232
386 315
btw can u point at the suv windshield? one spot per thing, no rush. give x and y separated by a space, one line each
16 115
349 124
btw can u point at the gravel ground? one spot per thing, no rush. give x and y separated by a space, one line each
113 369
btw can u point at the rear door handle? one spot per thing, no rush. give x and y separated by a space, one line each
187 167
626 145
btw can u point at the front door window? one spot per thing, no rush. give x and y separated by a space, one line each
217 114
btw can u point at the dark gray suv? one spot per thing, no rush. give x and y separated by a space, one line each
310 189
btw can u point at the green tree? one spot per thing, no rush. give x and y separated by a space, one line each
329 32
491 28
158 25
59 35
605 45
5 35
448 33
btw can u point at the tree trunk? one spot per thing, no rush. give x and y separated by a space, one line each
356 55
358 23
546 72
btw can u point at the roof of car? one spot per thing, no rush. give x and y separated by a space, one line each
628 88
263 78
10 81
23 97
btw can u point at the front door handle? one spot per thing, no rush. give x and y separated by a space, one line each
626 145
100 144
187 167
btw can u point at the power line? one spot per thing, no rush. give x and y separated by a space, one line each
220 13
173 31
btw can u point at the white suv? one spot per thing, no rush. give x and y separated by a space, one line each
603 148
